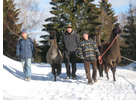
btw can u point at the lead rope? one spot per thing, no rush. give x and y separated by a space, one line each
100 60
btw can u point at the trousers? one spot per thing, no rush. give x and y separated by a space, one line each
70 58
87 69
26 64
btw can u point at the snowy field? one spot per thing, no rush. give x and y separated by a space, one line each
42 86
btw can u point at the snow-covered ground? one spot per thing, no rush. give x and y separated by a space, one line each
42 86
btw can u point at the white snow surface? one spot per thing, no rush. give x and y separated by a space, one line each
43 87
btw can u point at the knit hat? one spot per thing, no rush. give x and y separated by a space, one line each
23 31
69 26
85 32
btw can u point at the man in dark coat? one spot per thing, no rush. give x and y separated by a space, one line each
24 52
70 40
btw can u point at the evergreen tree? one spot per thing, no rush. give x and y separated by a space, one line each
11 30
129 50
56 23
107 18
38 57
106 7
43 49
87 13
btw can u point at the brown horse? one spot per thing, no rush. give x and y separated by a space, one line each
97 38
54 56
113 56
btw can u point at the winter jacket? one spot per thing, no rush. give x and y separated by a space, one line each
88 49
70 41
25 48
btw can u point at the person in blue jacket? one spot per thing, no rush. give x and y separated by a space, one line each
24 52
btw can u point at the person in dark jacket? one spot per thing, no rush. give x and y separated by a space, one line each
87 50
70 40
24 52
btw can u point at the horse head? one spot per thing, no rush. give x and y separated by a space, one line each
97 36
52 37
116 30
97 31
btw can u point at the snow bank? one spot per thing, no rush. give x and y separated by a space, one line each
42 86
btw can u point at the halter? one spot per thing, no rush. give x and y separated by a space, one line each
118 30
52 36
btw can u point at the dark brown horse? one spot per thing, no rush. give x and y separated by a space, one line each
113 56
54 56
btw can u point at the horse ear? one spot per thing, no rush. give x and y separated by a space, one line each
117 24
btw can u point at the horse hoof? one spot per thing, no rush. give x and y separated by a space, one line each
90 83
95 80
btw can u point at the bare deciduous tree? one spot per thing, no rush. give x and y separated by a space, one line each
30 15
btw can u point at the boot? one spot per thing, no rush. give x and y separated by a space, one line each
29 79
26 78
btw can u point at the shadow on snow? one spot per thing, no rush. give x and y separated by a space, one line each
45 77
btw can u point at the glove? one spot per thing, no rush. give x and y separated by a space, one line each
99 57
100 60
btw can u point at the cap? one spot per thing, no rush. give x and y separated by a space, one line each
69 26
85 32
23 31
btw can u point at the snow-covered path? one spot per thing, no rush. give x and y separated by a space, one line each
42 86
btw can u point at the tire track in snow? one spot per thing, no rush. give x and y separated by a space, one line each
132 85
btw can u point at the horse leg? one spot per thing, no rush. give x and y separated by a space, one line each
113 71
106 70
54 75
113 68
99 68
53 72
58 70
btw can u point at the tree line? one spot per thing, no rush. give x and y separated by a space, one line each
81 14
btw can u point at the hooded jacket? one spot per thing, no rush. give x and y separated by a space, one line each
25 48
70 41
